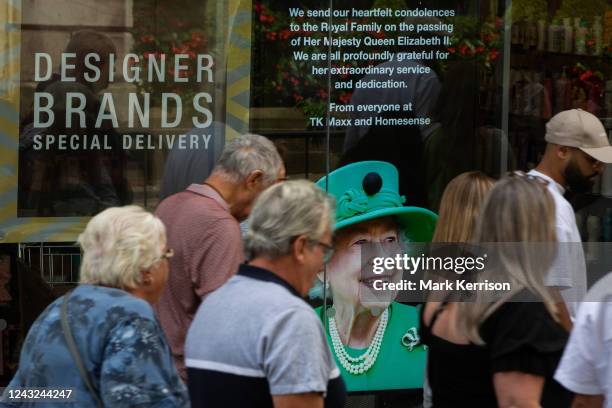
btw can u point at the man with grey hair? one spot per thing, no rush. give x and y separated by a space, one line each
202 224
255 342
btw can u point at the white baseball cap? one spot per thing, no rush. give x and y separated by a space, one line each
581 129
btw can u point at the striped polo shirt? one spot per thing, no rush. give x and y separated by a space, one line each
255 337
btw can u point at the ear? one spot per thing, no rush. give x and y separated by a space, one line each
564 152
254 179
299 248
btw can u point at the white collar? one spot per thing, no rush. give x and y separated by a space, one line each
546 177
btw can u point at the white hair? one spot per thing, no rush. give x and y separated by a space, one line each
246 154
285 211
118 244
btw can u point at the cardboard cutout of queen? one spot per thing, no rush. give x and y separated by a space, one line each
373 338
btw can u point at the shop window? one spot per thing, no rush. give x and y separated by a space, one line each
126 102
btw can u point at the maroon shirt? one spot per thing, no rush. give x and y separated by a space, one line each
207 248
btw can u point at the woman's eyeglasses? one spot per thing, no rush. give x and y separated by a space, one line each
168 254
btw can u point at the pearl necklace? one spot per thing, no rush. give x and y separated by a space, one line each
362 363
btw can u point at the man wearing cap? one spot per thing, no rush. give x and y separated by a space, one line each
577 146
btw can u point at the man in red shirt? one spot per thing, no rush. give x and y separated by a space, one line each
202 224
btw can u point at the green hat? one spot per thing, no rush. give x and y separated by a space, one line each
370 189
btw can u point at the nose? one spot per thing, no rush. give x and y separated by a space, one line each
378 248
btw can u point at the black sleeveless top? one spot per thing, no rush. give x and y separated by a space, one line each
519 337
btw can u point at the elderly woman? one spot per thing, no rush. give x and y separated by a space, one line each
373 339
254 342
102 341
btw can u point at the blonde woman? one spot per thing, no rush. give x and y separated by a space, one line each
460 208
101 342
502 353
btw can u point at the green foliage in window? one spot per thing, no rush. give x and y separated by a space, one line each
585 9
529 10
163 29
475 40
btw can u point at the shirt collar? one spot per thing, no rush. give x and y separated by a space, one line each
207 191
265 275
551 182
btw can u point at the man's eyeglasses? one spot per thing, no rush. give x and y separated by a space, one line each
274 181
328 250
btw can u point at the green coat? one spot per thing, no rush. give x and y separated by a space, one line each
396 367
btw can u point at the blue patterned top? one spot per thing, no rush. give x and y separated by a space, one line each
121 344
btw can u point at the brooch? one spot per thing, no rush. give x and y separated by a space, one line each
411 339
